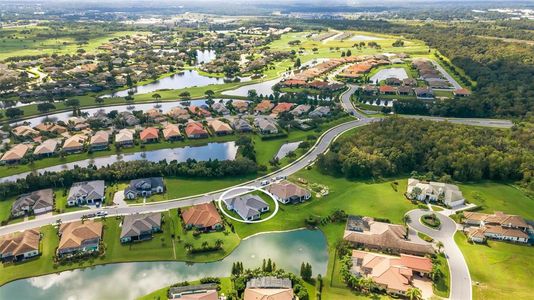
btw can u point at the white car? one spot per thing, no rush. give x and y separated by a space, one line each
264 182
102 213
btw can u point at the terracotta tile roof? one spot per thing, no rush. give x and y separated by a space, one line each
286 189
195 128
74 234
498 217
48 146
74 142
124 135
24 130
170 131
264 106
387 89
149 133
202 215
16 153
281 107
462 92
100 137
199 111
20 243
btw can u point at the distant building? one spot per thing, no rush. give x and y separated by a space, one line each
219 127
75 143
171 132
194 292
498 226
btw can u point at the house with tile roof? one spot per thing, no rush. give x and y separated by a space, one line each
387 90
24 131
248 207
288 192
140 227
241 125
240 105
269 287
99 141
392 238
179 113
46 148
448 194
75 143
79 238
15 154
202 217
394 274
125 137
266 126
461 92
498 226
195 130
20 246
149 135
281 107
171 132
206 291
36 202
320 111
86 192
144 187
264 106
51 128
300 110
219 127
199 111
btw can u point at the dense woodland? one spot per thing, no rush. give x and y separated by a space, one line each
397 146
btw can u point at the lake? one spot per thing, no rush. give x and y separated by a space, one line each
220 151
399 73
131 280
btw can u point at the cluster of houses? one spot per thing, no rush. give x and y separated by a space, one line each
499 226
395 274
268 287
444 193
364 64
315 84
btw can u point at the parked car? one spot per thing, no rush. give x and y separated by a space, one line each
102 213
264 182
90 215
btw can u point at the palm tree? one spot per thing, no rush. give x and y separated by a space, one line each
188 246
219 243
205 244
440 245
414 293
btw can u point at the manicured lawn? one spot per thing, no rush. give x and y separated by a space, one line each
499 270
442 287
492 196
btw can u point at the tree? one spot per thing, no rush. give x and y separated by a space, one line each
99 100
14 112
306 271
185 95
45 107
74 103
414 293
205 244
188 246
252 95
349 53
209 94
406 219
156 96
218 243
297 63
440 245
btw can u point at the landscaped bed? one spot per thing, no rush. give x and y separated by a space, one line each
431 220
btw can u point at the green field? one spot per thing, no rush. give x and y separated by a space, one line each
499 270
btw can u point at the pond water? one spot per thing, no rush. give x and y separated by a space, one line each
205 56
262 88
286 148
399 73
219 151
131 280
360 37
164 107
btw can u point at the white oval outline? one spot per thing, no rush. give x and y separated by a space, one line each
220 200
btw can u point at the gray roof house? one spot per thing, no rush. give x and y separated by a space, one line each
40 201
269 282
248 207
242 125
266 126
320 111
140 227
448 194
207 291
220 108
144 187
300 110
86 192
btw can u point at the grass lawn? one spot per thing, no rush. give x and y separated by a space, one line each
499 270
492 196
442 287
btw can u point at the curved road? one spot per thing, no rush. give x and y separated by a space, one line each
460 279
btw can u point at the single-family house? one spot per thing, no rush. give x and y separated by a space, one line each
128 118
448 194
394 274
51 128
300 110
140 227
409 82
144 187
264 106
266 126
387 90
438 83
480 234
86 192
393 81
320 111
405 90
46 148
370 89
125 137
241 125
155 115
15 154
288 192
281 107
74 143
99 141
207 291
240 105
79 238
199 111
248 207
20 246
219 127
368 233
195 130
202 217
24 131
269 287
220 108
36 202
171 132
461 92
424 92
179 113
149 135
498 225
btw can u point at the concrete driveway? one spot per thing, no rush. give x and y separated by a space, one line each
460 279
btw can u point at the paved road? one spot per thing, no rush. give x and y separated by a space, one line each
446 75
460 278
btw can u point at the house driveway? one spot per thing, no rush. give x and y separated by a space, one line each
425 285
118 199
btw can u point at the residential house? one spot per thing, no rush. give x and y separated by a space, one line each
77 123
24 131
195 130
240 105
387 90
264 106
51 128
394 274
125 137
86 192
241 125
424 92
393 81
248 207
220 127
266 126
438 83
368 233
36 202
269 287
206 291
46 148
199 111
300 110
15 154
405 90
128 118
171 132
461 92
370 89
155 115
202 217
140 227
79 237
288 192
499 226
20 246
320 111
149 135
74 143
220 108
144 187
179 113
99 141
409 82
448 194
281 107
